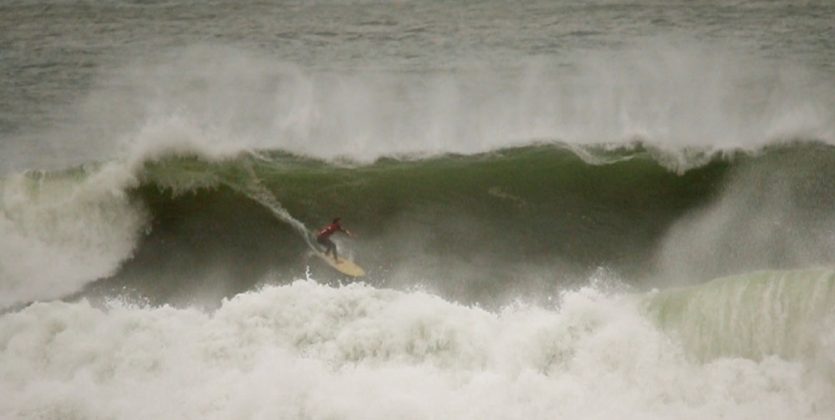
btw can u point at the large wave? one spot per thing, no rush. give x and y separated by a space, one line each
180 225
572 219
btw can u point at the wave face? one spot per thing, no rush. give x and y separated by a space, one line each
482 228
754 315
490 225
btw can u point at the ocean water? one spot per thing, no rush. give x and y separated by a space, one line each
566 209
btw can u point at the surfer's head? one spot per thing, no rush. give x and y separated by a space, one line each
336 220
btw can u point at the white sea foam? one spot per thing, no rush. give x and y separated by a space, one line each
306 350
58 232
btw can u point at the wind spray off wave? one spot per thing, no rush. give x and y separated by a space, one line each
59 231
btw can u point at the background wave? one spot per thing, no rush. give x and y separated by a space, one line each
754 315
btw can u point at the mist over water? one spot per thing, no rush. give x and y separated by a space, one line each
765 218
58 233
554 202
370 80
671 94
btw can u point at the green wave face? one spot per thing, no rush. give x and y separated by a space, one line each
517 222
785 313
466 224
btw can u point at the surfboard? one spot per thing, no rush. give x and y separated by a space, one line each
344 266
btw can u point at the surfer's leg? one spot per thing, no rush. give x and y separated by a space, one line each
330 247
323 242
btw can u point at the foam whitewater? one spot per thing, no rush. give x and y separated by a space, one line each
308 350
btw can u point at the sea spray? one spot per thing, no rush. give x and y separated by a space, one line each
253 99
59 231
253 187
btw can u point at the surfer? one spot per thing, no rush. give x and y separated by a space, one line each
323 237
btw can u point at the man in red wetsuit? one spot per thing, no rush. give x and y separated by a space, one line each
323 237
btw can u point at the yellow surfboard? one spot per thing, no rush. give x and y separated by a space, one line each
344 266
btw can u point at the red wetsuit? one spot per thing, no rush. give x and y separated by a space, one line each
323 237
329 230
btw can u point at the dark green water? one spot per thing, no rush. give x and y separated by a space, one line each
523 221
